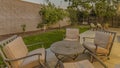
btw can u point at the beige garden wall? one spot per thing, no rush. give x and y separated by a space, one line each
14 13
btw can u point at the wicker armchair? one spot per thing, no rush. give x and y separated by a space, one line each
15 54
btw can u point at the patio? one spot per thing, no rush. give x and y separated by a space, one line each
18 18
114 57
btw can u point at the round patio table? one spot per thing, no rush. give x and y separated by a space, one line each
69 49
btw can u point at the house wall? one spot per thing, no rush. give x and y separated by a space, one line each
14 13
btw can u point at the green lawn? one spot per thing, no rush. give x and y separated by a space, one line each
49 37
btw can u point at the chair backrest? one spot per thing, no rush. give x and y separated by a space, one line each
105 39
14 49
2 44
99 25
92 25
72 33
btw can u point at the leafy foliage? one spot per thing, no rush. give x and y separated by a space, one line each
98 8
51 14
105 8
73 15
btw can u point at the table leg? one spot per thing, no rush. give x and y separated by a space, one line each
59 59
75 56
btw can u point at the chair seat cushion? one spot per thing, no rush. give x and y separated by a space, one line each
79 64
90 46
71 39
34 60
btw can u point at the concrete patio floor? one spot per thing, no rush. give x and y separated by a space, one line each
114 57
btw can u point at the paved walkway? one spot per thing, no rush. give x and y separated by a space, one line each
114 57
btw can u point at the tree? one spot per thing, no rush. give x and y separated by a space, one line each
73 14
103 9
93 13
81 6
50 14
106 9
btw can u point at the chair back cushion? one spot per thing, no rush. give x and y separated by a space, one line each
103 39
92 25
99 25
72 33
15 49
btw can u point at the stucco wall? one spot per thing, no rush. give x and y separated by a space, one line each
14 13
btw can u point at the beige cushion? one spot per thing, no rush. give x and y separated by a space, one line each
92 25
92 47
71 39
34 60
79 64
102 39
99 25
72 33
15 49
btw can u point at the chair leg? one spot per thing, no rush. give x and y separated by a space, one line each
108 58
91 59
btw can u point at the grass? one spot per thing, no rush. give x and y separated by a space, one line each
47 37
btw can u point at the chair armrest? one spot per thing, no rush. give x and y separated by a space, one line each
84 38
42 44
10 60
98 60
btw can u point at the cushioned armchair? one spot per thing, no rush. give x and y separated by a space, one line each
72 34
15 54
102 45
